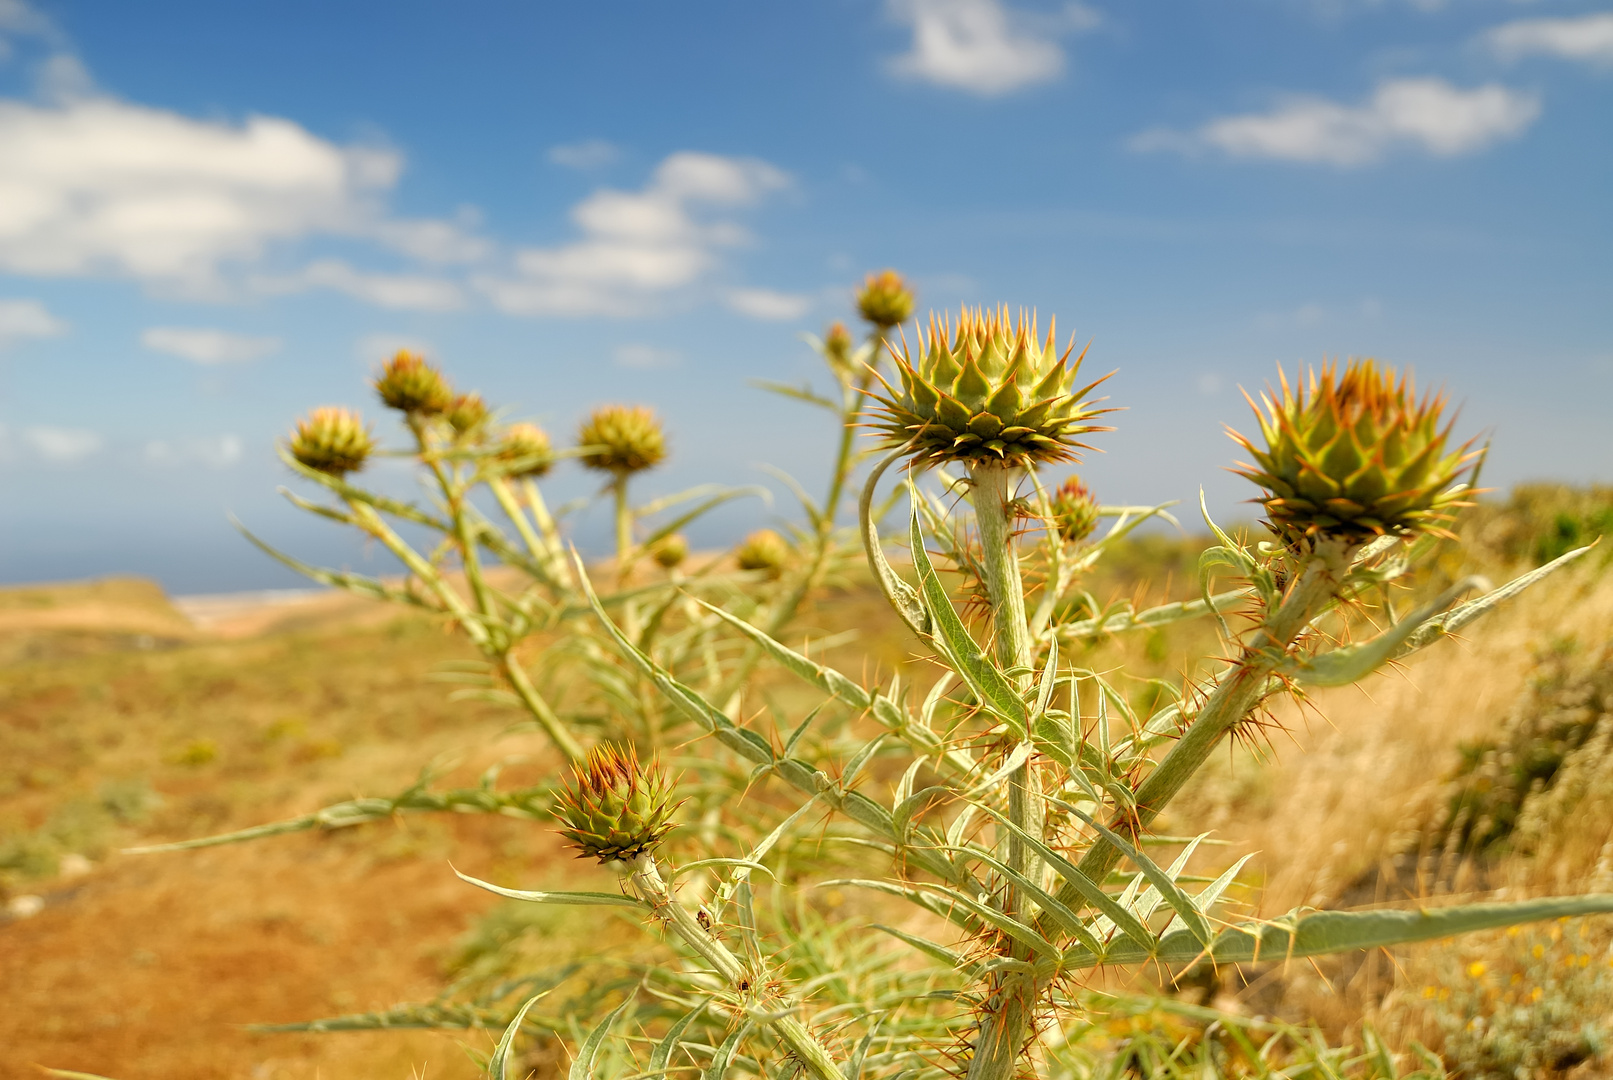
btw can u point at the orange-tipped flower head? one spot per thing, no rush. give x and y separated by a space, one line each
622 439
617 808
524 450
1354 454
885 300
332 440
467 413
410 385
1075 511
763 549
670 551
986 390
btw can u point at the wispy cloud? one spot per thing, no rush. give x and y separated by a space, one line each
399 292
1424 114
641 357
212 453
1587 38
984 46
373 348
586 155
62 444
207 347
768 304
638 245
21 320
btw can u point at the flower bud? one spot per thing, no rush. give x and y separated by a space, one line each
986 390
622 439
1352 455
616 808
524 449
332 440
763 550
410 385
670 551
467 413
1075 511
885 300
837 348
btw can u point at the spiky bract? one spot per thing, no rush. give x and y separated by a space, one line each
670 551
763 549
885 300
525 451
1075 511
1354 454
467 413
984 390
622 439
333 440
411 385
617 807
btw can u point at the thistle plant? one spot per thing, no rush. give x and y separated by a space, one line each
1000 825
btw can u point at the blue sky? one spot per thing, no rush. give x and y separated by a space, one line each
213 217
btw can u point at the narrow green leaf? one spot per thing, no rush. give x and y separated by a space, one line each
498 1066
582 1068
1319 933
718 1068
1060 913
586 899
929 948
903 599
661 1056
1191 917
989 685
699 864
1124 920
1349 663
1462 614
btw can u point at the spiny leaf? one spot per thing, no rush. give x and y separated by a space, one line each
585 899
1319 933
661 1056
583 1067
498 1067
1191 917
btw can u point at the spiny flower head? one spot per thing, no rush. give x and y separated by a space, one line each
467 413
623 438
885 300
1354 454
985 390
332 440
670 551
411 385
763 549
616 807
525 450
1075 511
837 348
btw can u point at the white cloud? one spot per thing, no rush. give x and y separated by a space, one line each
207 347
433 240
102 186
590 154
646 357
1427 114
61 444
637 245
24 319
215 453
400 292
1588 38
767 304
983 46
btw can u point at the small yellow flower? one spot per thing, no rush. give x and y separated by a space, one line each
1429 992
1536 994
1476 969
1538 951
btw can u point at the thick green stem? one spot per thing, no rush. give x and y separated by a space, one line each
1010 1007
652 887
552 725
624 527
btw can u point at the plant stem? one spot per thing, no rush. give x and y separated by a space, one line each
1010 1007
624 527
552 725
646 877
